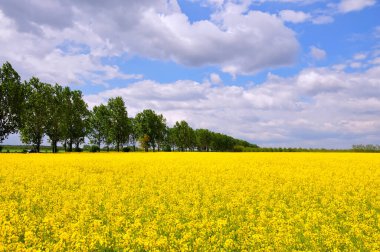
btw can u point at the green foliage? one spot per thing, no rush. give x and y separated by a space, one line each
133 132
11 101
184 136
75 114
126 149
119 126
366 148
99 125
55 112
238 148
37 109
203 139
94 148
150 129
221 142
34 117
144 141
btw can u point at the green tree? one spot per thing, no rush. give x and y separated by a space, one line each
55 117
221 142
203 139
11 101
133 134
184 136
150 126
99 125
145 142
160 123
80 116
75 115
34 117
168 142
119 127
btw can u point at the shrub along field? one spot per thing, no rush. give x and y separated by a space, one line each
190 201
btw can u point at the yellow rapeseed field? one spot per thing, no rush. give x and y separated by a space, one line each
190 201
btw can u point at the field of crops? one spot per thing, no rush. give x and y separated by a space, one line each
190 201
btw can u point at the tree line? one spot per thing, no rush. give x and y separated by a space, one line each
366 148
36 109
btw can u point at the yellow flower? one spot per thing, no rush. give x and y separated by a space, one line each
190 202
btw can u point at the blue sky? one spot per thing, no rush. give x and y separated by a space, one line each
277 73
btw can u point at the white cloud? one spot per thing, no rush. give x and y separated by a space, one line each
215 78
323 19
375 61
354 5
356 65
360 56
38 54
319 107
237 41
294 16
317 53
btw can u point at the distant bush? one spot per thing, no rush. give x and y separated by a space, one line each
366 148
166 148
1 148
238 148
78 149
94 148
126 149
106 148
86 147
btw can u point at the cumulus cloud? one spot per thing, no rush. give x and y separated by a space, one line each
318 107
354 5
294 16
317 53
34 53
237 41
215 78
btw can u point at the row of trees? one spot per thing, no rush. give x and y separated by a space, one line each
366 148
36 109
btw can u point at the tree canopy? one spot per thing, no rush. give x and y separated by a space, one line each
38 109
11 101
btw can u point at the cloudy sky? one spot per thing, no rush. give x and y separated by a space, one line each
277 73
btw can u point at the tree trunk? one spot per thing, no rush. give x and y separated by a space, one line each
70 145
54 146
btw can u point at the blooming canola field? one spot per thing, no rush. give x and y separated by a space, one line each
190 201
